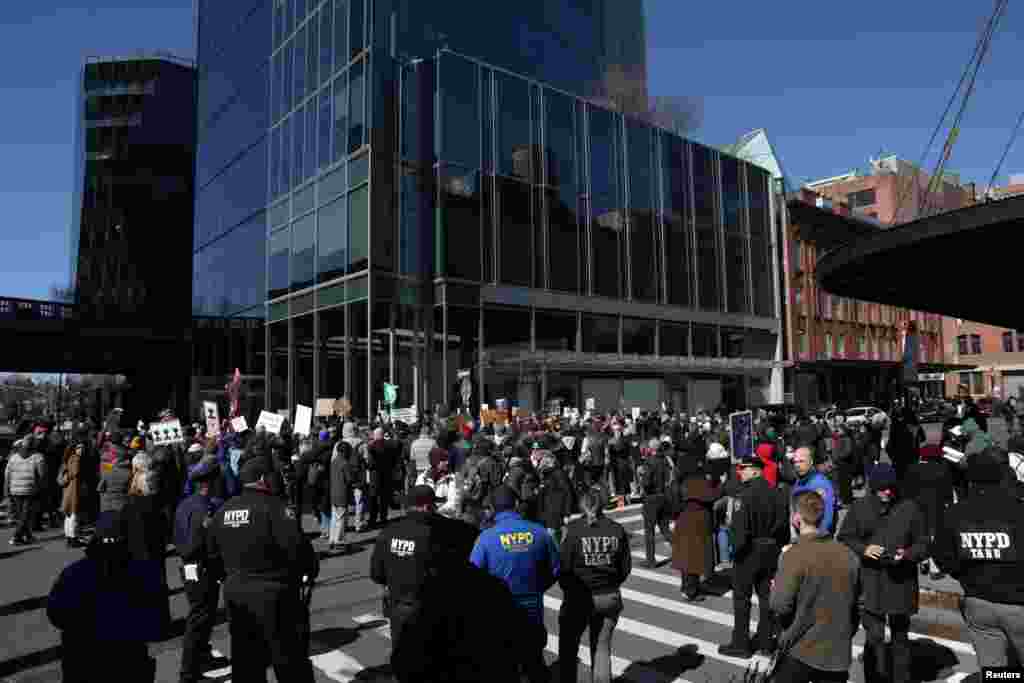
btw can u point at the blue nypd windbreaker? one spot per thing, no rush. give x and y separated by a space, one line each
816 481
523 555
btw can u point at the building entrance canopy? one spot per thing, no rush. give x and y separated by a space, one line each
960 264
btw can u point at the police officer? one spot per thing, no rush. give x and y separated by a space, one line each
403 552
199 576
265 559
760 528
655 478
979 544
595 562
524 555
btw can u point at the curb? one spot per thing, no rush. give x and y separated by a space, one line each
943 600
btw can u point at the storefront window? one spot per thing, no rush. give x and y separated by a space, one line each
638 336
675 339
705 341
556 331
600 334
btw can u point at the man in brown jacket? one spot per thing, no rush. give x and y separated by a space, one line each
815 594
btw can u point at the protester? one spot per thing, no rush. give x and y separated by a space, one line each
24 479
691 501
70 479
809 479
815 596
655 477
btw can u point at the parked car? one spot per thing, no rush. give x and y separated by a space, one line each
984 406
856 416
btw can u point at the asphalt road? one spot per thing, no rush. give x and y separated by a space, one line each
659 638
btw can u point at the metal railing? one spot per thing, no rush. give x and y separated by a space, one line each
29 309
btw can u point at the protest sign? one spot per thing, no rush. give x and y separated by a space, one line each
406 415
303 419
636 413
166 433
324 407
741 434
269 421
239 425
343 407
591 404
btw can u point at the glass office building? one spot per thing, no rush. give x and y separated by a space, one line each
402 196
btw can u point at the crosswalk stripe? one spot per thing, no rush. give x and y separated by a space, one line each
670 638
338 666
619 665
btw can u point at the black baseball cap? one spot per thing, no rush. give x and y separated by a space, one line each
419 496
253 470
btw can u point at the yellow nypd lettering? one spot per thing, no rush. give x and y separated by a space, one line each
516 541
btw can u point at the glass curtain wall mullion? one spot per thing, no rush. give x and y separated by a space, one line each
723 279
745 226
583 205
626 233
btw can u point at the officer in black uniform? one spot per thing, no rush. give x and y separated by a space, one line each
198 574
656 508
760 529
266 560
979 543
403 554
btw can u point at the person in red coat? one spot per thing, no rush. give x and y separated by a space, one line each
766 453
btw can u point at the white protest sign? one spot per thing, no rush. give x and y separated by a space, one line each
239 425
952 455
406 415
166 433
210 410
591 404
324 407
269 421
636 413
212 426
283 413
303 419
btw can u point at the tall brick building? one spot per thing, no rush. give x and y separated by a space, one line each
997 353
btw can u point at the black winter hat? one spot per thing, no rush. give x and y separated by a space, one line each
253 470
504 499
883 476
985 468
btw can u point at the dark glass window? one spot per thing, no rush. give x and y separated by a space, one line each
638 336
357 107
326 43
277 71
302 385
299 135
325 129
600 334
358 330
303 252
275 162
644 258
231 277
312 53
515 232
300 64
289 17
761 344
309 170
506 328
460 143
563 230
286 157
359 228
513 118
280 254
1008 342
861 199
705 198
341 111
737 280
285 92
556 331
460 216
341 54
606 221
734 342
962 344
705 342
678 238
760 242
300 10
416 202
332 352
357 28
279 6
675 339
278 389
975 344
1020 341
332 234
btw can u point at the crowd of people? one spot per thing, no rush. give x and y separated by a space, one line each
493 508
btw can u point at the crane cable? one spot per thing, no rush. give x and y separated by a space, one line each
955 130
1006 150
949 105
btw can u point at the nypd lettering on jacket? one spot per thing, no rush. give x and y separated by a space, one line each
236 518
401 547
516 541
599 551
987 545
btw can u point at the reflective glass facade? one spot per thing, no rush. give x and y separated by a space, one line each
418 206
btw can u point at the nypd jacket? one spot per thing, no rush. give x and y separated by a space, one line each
406 552
760 518
816 481
979 544
257 539
519 552
595 558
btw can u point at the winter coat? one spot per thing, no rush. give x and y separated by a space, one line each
113 487
25 474
888 587
340 471
319 493
766 453
71 501
693 503
555 501
145 528
930 484
977 440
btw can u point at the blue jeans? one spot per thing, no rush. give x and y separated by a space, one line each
325 523
725 547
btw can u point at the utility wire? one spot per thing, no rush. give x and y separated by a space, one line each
955 129
949 105
1006 150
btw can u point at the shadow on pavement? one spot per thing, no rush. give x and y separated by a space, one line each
30 661
376 674
25 605
19 551
329 639
340 579
928 659
667 668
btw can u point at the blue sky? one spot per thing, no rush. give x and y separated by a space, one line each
832 87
